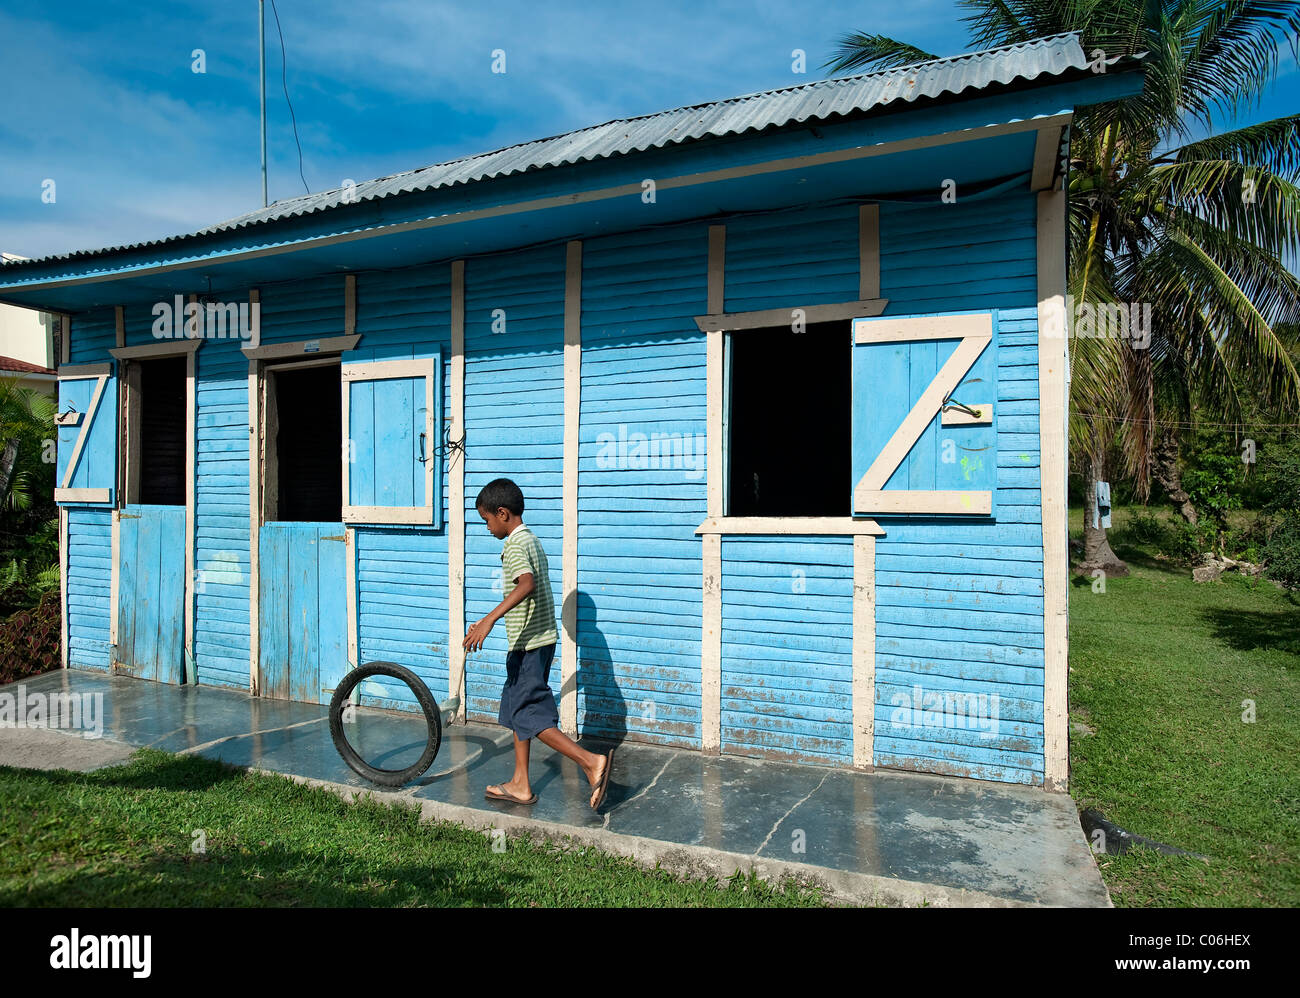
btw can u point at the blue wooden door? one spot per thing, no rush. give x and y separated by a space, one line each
151 593
302 624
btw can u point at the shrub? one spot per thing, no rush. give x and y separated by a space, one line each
1146 528
1282 552
30 640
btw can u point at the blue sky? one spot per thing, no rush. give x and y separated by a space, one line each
101 97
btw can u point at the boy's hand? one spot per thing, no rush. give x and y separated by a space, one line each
478 633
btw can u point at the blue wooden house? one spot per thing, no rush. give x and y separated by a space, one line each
782 378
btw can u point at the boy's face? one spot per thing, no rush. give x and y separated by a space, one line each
498 523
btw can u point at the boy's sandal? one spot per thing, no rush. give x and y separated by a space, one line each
509 798
603 785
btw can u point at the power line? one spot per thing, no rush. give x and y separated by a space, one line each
284 81
1184 425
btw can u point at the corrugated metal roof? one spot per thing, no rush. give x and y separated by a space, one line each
809 102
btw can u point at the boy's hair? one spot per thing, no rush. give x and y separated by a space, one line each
500 492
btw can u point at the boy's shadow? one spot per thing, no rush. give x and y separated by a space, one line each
604 723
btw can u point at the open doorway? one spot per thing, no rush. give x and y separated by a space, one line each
304 443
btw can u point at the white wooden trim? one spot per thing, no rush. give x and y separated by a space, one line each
75 372
119 324
63 585
628 190
869 252
82 495
955 417
114 548
910 329
1053 402
864 649
456 497
381 370
806 526
714 376
922 413
711 648
388 514
711 623
1047 146
884 501
275 367
191 422
569 550
87 422
736 321
296 348
350 553
162 348
254 523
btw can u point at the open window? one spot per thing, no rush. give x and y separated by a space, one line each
786 409
154 429
924 414
86 425
302 442
391 421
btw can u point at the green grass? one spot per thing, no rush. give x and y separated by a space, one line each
1160 667
123 837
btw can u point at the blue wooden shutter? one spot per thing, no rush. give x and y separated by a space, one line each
86 424
392 467
912 454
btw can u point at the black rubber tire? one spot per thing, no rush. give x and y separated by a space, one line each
385 777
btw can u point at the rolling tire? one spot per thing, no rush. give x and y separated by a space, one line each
385 777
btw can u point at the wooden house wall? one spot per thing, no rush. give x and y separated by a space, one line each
90 529
639 599
959 605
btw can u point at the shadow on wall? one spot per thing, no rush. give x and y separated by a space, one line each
606 710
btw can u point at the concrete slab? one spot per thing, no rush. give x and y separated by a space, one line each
869 837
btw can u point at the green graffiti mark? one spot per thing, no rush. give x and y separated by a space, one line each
970 465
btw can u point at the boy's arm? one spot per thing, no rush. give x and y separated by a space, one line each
478 633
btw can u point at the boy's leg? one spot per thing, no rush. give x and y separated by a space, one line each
517 785
593 765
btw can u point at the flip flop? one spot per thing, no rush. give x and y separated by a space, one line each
603 785
508 797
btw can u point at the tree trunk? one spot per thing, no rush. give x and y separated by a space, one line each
1165 470
1097 553
7 461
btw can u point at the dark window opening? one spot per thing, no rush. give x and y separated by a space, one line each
162 431
308 431
789 432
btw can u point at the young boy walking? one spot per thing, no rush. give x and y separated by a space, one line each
527 703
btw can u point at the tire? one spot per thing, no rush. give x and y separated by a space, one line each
385 777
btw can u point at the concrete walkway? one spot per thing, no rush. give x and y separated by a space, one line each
869 838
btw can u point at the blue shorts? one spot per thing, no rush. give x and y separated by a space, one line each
527 703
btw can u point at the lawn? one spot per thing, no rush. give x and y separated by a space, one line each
1161 668
124 836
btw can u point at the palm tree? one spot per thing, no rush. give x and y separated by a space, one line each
1197 227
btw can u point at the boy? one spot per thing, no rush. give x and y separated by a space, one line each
527 703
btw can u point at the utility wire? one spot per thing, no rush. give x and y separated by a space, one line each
1245 424
284 81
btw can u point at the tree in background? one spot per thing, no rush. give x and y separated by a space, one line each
29 542
1198 228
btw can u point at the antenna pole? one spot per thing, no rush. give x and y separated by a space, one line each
261 61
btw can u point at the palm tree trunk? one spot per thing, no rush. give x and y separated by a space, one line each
1165 470
1097 553
7 461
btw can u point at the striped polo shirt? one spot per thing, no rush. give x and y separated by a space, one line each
531 624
